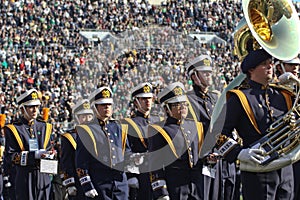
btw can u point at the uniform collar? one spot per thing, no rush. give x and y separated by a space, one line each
25 121
103 123
256 85
199 92
171 120
140 114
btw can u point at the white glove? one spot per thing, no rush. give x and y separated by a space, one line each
164 198
91 193
254 155
39 153
6 182
133 182
72 191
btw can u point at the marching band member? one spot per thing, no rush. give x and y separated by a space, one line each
27 142
100 152
220 180
292 66
174 146
82 114
251 109
142 96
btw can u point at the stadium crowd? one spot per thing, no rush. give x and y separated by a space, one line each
41 47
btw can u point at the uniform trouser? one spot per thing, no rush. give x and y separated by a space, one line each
144 192
58 190
274 185
116 189
296 168
225 185
184 184
145 189
30 184
1 184
9 193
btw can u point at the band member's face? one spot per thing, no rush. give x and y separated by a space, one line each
104 110
179 110
205 77
31 112
293 68
85 118
263 72
145 104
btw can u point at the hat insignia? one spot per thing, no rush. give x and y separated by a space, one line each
206 62
86 106
177 91
105 93
146 89
34 95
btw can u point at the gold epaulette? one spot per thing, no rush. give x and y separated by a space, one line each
286 89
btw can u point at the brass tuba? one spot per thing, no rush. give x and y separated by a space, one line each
281 144
274 26
271 24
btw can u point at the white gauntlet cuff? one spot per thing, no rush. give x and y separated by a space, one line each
24 158
227 146
159 184
69 181
85 180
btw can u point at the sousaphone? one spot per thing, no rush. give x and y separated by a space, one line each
274 26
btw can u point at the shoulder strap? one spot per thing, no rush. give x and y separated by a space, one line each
200 132
71 139
288 99
166 136
48 134
89 132
137 130
247 108
17 136
124 136
191 110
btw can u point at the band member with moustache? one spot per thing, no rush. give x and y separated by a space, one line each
174 146
220 180
253 107
139 182
82 114
27 141
101 151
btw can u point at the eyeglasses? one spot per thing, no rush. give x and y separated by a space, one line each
179 104
32 106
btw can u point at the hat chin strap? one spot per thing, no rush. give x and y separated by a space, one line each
97 114
200 84
76 118
96 111
170 113
26 115
282 67
139 107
